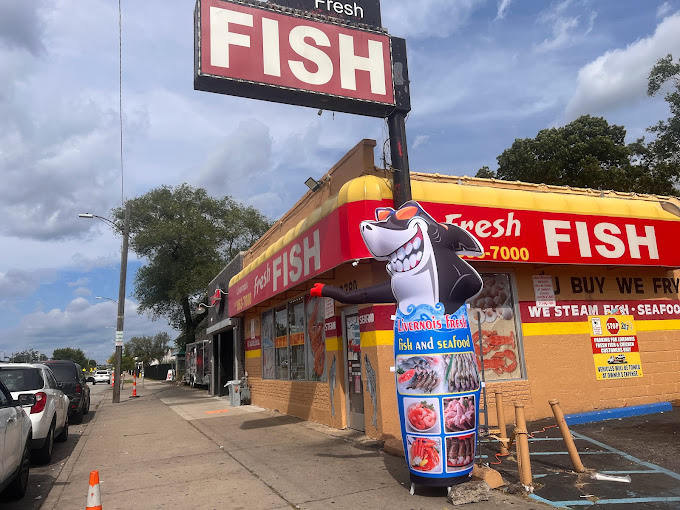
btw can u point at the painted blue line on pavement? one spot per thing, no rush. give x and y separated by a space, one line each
547 501
621 412
622 501
658 469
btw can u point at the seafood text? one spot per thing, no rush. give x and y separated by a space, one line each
450 322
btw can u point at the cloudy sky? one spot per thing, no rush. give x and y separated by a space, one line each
483 72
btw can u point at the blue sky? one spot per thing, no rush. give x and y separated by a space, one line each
483 72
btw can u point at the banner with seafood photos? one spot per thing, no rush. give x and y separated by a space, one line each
438 388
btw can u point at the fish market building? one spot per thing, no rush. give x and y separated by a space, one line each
553 257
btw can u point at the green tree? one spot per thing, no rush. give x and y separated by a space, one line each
586 153
76 355
127 362
187 237
145 349
659 160
28 356
485 173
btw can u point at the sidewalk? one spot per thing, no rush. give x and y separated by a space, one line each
177 448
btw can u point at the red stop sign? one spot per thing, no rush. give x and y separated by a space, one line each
613 326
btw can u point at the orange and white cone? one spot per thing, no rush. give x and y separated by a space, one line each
94 499
113 377
134 385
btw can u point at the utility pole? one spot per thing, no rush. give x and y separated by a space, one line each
121 306
396 123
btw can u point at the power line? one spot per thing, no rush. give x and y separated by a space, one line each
120 97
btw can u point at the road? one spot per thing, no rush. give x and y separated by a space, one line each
42 477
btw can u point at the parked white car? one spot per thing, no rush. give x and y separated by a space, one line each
15 443
49 415
102 376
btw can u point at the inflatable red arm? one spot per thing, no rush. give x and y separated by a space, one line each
380 293
317 290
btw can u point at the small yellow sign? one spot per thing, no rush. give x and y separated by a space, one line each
615 347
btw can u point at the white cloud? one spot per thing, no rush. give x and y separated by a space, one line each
80 324
15 284
502 9
428 18
618 78
82 292
79 282
21 25
420 140
663 9
567 27
242 159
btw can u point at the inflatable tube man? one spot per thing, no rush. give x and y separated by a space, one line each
437 378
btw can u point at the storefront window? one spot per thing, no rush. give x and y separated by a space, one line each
268 358
294 341
281 343
296 321
316 339
493 312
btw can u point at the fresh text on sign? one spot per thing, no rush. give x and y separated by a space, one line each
484 228
340 8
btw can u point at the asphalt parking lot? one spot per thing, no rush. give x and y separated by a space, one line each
645 448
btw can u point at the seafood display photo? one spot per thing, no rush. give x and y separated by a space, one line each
316 350
425 454
459 414
462 373
422 415
420 375
460 451
493 310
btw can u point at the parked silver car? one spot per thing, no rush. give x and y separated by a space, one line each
15 443
49 415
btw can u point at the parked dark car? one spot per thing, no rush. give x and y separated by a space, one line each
70 376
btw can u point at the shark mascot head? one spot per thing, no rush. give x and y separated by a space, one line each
422 260
422 257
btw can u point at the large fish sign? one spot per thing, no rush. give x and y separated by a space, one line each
437 377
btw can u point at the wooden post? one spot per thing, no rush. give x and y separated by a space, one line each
566 435
523 459
500 413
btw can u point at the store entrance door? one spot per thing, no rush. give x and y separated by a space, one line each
355 385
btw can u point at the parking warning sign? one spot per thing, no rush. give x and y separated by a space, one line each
615 347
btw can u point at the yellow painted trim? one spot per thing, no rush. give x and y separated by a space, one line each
254 354
333 344
367 187
668 325
375 338
476 192
531 197
583 328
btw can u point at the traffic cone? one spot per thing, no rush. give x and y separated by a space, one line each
113 376
94 499
134 385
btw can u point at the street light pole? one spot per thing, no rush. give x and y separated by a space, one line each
118 361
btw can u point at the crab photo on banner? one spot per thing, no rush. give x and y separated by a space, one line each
437 377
